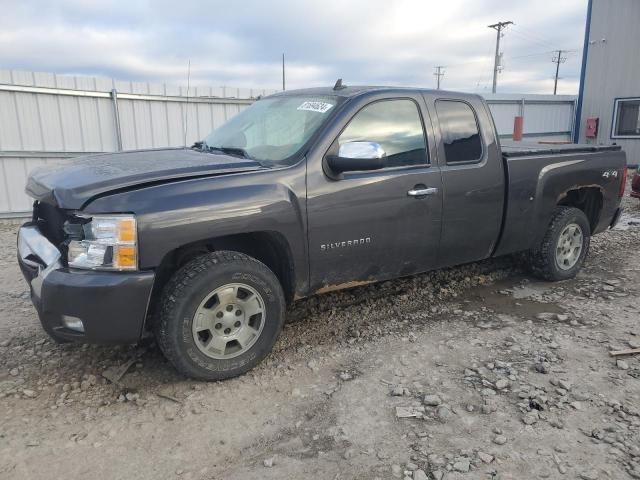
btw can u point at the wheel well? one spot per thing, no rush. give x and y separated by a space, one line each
587 199
270 248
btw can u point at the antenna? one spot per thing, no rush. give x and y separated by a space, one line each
283 73
186 107
339 85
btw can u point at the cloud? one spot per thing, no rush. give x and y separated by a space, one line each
240 43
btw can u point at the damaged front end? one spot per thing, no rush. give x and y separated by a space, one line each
94 303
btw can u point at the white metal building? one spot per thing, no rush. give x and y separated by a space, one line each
610 81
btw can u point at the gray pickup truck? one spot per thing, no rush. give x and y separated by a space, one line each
301 193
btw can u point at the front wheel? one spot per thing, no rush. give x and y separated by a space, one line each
563 249
220 315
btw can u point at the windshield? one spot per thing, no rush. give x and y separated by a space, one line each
273 129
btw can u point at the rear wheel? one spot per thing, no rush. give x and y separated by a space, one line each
561 253
220 315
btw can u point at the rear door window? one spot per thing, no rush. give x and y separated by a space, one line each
460 132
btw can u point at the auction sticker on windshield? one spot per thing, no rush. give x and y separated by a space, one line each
320 107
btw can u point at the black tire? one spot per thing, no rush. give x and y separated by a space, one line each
543 257
184 293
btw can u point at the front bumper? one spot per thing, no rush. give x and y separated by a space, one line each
112 306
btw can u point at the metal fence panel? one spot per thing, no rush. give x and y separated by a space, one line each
14 171
46 118
10 137
545 117
548 118
503 114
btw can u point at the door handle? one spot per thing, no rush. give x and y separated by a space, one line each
422 192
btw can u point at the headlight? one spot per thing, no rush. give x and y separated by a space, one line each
110 243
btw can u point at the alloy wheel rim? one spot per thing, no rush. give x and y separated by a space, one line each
228 321
569 246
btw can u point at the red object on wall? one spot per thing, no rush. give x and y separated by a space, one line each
517 128
591 130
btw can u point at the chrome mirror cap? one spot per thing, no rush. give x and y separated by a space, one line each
363 150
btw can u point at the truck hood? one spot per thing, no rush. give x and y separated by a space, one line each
72 184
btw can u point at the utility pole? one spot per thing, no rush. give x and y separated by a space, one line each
438 74
498 27
557 60
283 72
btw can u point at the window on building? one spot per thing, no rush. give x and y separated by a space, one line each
627 118
396 126
460 133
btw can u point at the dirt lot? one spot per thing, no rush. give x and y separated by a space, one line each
477 372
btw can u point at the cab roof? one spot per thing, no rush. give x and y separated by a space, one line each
354 91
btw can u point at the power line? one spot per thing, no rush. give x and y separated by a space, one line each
487 59
438 74
528 55
547 52
557 60
498 27
483 79
470 62
530 37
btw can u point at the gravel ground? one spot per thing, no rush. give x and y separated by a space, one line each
476 372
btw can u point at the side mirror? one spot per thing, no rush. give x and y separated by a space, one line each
357 156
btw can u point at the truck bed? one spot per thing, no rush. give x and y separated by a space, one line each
539 177
512 149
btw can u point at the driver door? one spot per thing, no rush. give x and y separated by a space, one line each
370 225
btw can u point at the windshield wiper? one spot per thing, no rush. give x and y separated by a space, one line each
203 146
241 152
237 151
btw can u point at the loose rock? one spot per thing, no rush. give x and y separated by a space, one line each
397 392
432 400
461 466
444 413
485 457
420 475
500 440
542 367
437 474
622 365
502 384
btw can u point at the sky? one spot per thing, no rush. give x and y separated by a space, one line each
240 42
